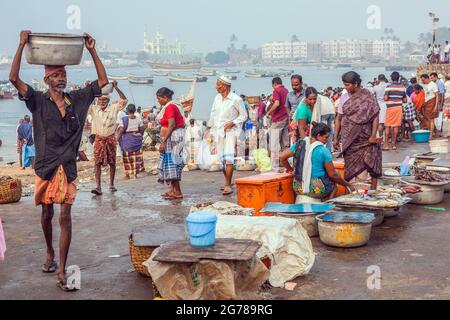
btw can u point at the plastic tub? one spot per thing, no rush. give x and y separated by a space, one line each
201 227
439 146
421 136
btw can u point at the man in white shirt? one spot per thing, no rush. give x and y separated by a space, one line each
379 91
227 117
104 126
430 109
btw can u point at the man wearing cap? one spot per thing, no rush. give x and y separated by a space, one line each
58 119
227 117
104 126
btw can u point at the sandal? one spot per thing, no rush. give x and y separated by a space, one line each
49 267
112 189
62 284
172 197
394 147
223 187
227 191
97 191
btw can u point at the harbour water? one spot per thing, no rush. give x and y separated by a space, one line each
144 95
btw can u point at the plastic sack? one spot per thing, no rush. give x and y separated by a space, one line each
207 279
284 241
262 160
204 158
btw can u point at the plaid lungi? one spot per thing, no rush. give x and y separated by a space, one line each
133 162
409 113
172 161
105 150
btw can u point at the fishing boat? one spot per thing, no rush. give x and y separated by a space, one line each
290 71
117 78
232 77
174 67
206 73
133 79
160 73
232 71
254 74
344 65
180 78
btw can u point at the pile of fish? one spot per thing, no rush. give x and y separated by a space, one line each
429 176
381 198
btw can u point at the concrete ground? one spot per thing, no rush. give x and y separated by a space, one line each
410 250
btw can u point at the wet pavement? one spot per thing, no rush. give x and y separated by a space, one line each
411 250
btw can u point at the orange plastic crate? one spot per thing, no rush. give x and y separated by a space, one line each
256 191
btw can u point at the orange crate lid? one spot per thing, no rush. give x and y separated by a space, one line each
263 178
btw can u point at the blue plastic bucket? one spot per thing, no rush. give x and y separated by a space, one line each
421 136
201 227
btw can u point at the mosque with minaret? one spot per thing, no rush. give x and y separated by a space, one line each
160 46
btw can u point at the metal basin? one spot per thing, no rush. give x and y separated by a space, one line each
54 49
429 195
344 234
308 221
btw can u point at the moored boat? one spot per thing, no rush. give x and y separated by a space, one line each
117 78
232 71
180 78
134 79
171 66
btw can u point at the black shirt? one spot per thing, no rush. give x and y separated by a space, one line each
57 139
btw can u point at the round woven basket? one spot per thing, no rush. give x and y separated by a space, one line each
139 255
10 190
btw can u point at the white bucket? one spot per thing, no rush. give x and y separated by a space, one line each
439 146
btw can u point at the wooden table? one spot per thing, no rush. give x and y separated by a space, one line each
224 249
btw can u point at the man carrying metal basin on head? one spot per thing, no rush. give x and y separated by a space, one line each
58 119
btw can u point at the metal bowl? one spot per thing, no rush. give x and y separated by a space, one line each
344 234
54 49
428 195
308 221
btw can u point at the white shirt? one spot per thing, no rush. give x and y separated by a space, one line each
430 90
447 48
447 89
123 113
193 133
326 106
224 110
133 124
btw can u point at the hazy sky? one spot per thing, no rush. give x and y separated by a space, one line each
206 25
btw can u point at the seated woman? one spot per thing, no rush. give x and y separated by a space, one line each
314 172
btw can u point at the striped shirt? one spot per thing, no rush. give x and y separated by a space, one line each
395 93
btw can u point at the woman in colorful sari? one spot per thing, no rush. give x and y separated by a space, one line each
314 173
131 129
357 126
173 154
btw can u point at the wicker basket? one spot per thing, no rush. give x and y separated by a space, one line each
10 190
139 255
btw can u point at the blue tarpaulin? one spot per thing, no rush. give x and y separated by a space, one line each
297 208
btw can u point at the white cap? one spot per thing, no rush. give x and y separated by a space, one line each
224 79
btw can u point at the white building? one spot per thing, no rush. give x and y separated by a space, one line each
161 46
285 50
386 48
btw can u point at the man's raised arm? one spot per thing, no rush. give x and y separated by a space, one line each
101 72
15 68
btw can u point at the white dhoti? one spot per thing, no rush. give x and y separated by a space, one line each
382 117
226 147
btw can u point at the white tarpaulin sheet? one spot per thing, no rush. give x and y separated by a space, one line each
283 240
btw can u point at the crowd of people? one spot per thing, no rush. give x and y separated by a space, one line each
437 54
303 124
